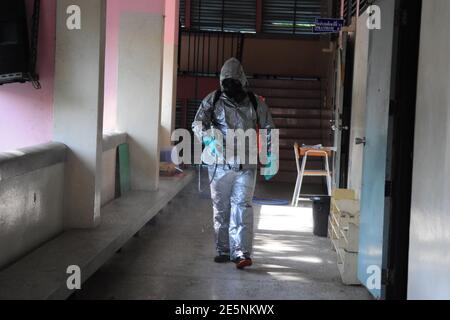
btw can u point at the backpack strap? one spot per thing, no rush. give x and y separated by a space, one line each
253 100
217 96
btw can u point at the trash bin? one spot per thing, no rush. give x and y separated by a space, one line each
321 213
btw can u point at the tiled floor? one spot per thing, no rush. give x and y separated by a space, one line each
172 258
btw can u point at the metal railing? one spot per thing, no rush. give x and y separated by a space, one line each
202 53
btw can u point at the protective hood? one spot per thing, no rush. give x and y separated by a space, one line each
232 69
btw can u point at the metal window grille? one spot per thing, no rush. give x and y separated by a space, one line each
223 15
291 16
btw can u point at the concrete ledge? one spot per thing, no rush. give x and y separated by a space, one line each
22 161
42 274
113 140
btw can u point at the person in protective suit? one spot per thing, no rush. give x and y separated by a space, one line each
233 184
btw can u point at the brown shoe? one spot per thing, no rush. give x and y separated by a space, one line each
242 263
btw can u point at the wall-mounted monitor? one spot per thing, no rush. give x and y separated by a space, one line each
14 42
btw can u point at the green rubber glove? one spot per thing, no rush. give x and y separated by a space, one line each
212 149
271 168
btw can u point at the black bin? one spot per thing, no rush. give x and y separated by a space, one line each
321 213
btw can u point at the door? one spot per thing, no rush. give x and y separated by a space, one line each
373 224
358 105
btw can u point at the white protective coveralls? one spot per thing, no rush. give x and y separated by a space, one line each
232 188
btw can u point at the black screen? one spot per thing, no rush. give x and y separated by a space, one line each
13 37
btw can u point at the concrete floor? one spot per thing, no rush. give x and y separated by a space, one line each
172 258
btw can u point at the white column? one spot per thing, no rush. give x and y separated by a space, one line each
139 94
170 72
78 107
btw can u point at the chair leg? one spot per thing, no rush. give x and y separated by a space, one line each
328 175
329 185
295 191
302 174
297 198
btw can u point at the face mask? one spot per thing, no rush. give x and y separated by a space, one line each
233 89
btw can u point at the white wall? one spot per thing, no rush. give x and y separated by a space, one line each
429 261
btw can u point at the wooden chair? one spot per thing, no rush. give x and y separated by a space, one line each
305 153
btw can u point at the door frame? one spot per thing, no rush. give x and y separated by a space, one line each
346 113
402 111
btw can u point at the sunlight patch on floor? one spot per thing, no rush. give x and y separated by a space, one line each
314 260
281 276
277 246
285 218
274 266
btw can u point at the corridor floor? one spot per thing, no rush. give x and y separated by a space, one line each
172 258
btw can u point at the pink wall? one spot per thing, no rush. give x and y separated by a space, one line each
114 10
26 114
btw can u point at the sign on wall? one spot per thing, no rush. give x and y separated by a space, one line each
328 25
